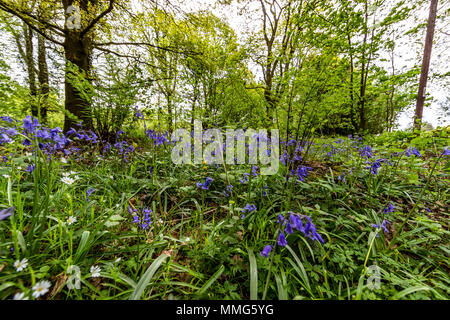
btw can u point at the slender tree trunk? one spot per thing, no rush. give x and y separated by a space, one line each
425 64
43 78
364 66
352 98
29 61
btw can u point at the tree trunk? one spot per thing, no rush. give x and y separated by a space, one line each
43 78
78 52
425 64
29 60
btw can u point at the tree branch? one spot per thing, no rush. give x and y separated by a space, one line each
98 18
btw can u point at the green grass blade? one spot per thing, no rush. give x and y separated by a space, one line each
148 275
253 275
213 279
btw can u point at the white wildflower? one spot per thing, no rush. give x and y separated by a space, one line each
71 220
21 264
95 271
41 288
67 180
63 160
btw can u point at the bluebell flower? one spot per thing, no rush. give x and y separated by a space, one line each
249 208
242 181
266 251
11 132
366 152
416 153
384 226
131 210
296 222
254 171
302 172
288 228
281 240
5 213
30 124
71 131
43 134
119 133
30 168
5 139
88 193
284 158
7 119
446 152
206 184
147 213
229 190
139 115
390 208
376 226
342 176
376 165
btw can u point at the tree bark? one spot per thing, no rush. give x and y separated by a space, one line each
78 52
29 61
425 64
43 78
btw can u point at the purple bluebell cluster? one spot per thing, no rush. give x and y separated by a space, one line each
413 151
50 141
206 184
366 152
30 168
248 208
159 139
229 190
144 220
302 172
139 115
390 208
376 165
295 222
88 193
383 226
245 178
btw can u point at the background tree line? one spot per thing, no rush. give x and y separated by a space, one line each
326 65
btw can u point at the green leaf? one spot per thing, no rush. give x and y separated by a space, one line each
148 275
213 279
253 275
